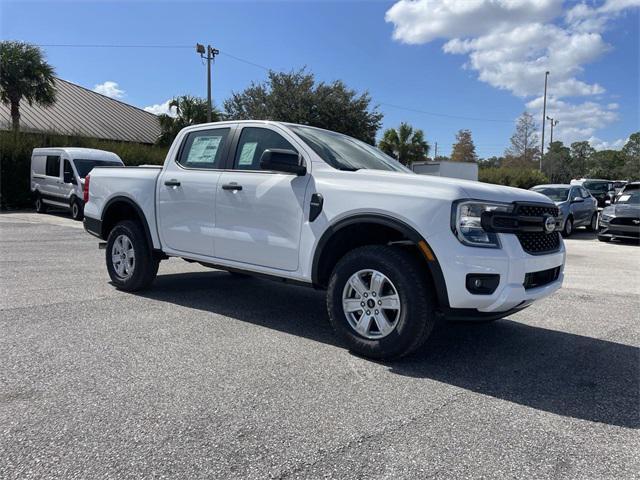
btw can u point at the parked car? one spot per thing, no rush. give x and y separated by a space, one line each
627 189
396 251
602 190
57 176
577 206
622 219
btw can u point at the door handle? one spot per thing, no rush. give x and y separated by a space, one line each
172 183
232 186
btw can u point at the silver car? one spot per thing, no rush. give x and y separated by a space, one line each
577 206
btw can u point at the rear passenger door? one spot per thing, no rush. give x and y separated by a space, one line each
186 192
259 213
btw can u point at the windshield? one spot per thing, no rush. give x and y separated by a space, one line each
85 166
597 187
557 194
631 198
346 153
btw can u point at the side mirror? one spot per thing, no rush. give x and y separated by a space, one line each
607 202
577 200
281 160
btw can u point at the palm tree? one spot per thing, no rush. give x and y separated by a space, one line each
24 74
405 144
189 111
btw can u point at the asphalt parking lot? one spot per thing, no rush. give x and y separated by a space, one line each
212 376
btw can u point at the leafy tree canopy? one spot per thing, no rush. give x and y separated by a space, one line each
189 111
464 150
296 97
405 144
24 75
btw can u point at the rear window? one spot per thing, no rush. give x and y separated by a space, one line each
84 166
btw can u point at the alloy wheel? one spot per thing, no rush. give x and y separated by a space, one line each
123 257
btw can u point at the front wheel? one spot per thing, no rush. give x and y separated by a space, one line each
593 224
381 302
568 227
130 260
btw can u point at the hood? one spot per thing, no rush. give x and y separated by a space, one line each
449 188
621 210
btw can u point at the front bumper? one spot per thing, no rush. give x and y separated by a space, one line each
511 262
616 230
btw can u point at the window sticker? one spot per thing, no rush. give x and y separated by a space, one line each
624 198
204 149
247 153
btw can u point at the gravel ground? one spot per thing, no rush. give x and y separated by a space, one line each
211 376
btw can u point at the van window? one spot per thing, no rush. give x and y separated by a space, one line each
84 166
38 165
53 166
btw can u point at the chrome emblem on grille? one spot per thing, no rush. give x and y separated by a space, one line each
637 222
549 224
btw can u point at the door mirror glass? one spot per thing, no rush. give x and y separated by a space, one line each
281 160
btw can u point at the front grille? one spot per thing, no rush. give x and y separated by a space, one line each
538 242
628 221
541 278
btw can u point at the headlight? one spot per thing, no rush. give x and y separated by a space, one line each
466 222
605 218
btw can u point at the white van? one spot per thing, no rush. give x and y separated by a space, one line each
57 176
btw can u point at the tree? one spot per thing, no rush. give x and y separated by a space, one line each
524 142
464 150
189 111
405 144
24 74
557 163
491 162
297 97
581 153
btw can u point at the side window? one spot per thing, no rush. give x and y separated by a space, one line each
53 166
68 172
253 142
204 149
584 192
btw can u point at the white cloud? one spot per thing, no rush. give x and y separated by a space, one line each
110 89
162 108
511 43
599 144
422 21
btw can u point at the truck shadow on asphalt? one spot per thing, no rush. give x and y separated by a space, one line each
554 371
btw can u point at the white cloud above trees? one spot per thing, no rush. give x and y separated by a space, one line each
511 43
162 108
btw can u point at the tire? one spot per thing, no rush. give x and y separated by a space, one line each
408 326
567 230
77 212
593 224
604 239
142 268
238 274
41 207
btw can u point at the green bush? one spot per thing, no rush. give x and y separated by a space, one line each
512 176
15 160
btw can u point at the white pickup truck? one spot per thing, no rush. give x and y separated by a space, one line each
396 251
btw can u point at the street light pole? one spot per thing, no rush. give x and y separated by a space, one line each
211 53
544 114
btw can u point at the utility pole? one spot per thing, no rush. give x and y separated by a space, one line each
553 124
435 154
544 114
211 53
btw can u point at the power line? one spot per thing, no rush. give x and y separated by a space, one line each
263 67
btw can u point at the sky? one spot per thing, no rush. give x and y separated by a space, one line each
440 65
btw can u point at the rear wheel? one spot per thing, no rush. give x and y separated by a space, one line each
76 209
130 260
380 302
593 224
39 204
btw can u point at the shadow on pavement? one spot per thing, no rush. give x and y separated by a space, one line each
558 372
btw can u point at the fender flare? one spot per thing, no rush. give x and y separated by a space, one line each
391 222
138 210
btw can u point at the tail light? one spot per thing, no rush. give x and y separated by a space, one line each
85 189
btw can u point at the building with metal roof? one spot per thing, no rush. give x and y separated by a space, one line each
83 112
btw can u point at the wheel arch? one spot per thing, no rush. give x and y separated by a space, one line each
123 208
335 243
